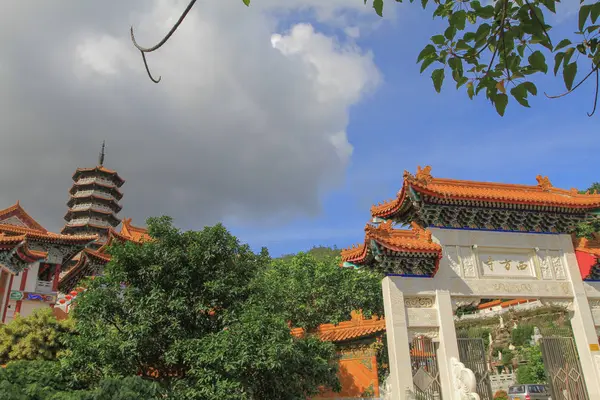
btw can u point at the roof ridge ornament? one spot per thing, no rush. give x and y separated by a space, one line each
420 232
544 183
423 175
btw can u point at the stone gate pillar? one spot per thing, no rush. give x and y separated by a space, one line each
397 338
448 344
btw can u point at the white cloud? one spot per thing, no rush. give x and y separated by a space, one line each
246 124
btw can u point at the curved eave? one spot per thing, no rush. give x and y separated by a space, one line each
84 225
389 208
111 203
98 256
82 187
102 170
36 236
89 211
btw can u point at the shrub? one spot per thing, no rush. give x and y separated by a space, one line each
501 395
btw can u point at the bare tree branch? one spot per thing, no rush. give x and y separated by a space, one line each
595 95
157 46
595 69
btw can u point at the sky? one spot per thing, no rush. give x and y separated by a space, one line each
285 121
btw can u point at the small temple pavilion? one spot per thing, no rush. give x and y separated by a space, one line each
31 259
94 201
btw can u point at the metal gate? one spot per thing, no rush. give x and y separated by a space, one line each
425 371
472 354
563 369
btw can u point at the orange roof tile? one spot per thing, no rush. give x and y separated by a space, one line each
134 233
18 211
542 195
100 168
355 328
590 246
19 242
36 235
415 240
489 304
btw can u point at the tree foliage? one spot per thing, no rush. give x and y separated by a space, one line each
187 311
533 371
46 380
310 292
498 47
36 337
588 228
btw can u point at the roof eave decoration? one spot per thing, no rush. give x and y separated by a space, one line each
395 251
16 254
541 196
19 212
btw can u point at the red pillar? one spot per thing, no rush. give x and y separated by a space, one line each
21 288
7 298
56 276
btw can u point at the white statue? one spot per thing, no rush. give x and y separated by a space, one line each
501 322
464 381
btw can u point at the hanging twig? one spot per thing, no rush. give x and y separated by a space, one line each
595 69
595 95
157 46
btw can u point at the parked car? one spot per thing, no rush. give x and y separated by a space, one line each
529 392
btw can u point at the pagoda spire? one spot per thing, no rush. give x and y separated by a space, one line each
101 157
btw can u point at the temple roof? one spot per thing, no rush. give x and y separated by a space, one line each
134 233
415 240
100 168
15 214
446 190
356 328
47 237
16 253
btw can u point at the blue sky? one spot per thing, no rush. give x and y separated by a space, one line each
405 123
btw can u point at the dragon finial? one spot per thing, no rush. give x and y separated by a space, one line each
543 182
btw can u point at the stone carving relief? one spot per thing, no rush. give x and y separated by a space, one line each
562 303
419 302
465 383
431 333
512 287
557 266
451 253
594 303
422 317
468 261
462 302
535 288
544 265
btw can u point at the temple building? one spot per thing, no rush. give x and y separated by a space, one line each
91 261
403 240
31 259
94 202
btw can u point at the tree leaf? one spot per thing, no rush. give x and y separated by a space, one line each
378 6
500 87
538 61
562 43
569 73
500 102
584 13
246 2
438 39
558 58
519 92
437 76
595 13
470 90
427 62
427 51
450 32
458 19
486 12
530 86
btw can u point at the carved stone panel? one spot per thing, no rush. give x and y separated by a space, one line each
510 288
432 333
596 316
557 265
545 267
506 263
419 302
451 254
468 262
422 317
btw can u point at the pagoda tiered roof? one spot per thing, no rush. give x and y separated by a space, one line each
452 191
100 169
415 244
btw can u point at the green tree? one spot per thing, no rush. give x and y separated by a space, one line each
183 311
588 228
320 253
533 371
39 336
46 380
310 292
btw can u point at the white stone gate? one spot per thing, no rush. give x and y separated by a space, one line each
485 264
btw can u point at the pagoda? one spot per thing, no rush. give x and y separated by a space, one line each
94 202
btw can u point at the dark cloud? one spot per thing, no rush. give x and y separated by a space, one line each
239 128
